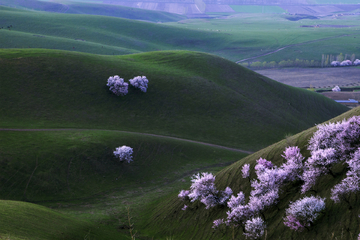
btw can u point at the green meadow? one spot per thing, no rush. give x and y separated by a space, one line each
238 37
192 96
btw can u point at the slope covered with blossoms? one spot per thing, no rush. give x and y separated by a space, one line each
300 201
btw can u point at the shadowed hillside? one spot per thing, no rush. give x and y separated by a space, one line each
20 220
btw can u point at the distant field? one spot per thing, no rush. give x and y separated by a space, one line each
237 37
257 9
315 77
269 37
336 1
93 8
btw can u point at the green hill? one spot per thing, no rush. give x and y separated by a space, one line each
98 34
337 222
191 95
21 221
94 9
78 165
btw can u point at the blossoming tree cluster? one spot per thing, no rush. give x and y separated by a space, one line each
345 63
203 189
119 87
124 153
331 144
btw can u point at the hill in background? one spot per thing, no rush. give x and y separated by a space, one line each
95 8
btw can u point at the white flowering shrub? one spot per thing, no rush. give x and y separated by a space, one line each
335 63
351 183
336 89
254 228
245 171
203 189
303 212
346 63
124 153
140 82
117 85
332 143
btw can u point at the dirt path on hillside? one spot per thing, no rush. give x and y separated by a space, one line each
293 45
146 134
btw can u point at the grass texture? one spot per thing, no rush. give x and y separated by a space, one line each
22 221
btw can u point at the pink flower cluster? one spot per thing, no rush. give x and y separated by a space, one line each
351 183
120 88
333 143
203 188
265 193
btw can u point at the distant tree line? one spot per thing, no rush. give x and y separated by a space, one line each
328 60
282 64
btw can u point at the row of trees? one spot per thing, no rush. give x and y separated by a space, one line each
119 87
282 64
326 61
331 144
345 63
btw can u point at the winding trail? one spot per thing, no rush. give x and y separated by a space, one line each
293 45
145 134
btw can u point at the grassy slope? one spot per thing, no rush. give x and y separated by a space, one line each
76 173
66 165
191 95
249 35
94 9
337 221
235 38
97 34
20 221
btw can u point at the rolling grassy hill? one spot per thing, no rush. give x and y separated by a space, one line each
21 221
238 37
96 34
191 95
74 172
337 222
63 165
93 9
